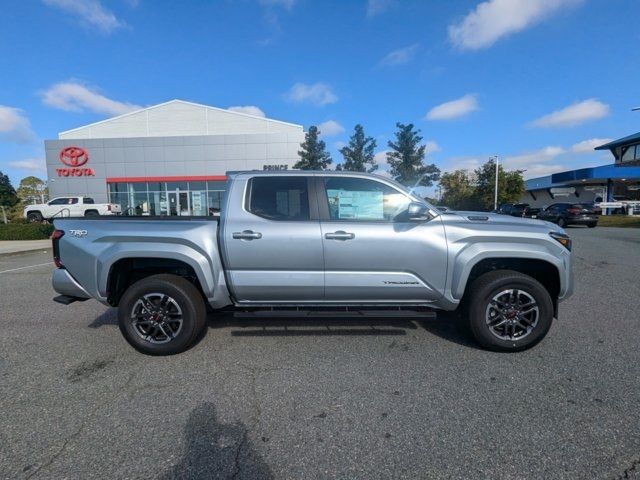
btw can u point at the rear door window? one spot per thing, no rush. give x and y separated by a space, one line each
279 198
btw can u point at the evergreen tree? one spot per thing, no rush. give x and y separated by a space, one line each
358 155
313 155
8 197
406 159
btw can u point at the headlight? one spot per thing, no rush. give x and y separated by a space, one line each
562 238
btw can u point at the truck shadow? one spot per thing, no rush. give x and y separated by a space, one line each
448 326
216 450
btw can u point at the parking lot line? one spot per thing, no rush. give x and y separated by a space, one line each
28 266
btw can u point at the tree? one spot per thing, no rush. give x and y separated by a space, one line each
8 197
459 191
313 155
407 156
510 185
32 189
358 155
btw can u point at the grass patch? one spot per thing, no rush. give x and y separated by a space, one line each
619 221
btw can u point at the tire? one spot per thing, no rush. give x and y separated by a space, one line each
510 337
562 223
184 303
592 225
34 217
91 213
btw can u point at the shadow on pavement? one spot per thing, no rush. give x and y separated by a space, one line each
215 451
448 326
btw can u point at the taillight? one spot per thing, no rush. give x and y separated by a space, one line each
574 211
55 240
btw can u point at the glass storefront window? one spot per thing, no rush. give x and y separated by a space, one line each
171 198
172 186
157 187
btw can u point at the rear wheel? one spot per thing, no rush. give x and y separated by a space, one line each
161 315
34 217
91 213
592 225
509 311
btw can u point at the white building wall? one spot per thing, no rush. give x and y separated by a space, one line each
179 118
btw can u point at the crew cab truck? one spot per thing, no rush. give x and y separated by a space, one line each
315 240
69 207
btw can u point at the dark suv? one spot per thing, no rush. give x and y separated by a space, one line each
571 214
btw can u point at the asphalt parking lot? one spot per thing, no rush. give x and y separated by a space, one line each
326 398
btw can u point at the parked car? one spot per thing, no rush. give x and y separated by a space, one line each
531 212
315 241
69 207
513 209
571 214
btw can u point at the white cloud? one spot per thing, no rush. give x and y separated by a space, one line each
400 56
286 4
587 146
248 109
454 109
14 125
494 19
330 128
375 7
575 114
536 163
30 164
380 158
432 147
317 94
92 12
75 97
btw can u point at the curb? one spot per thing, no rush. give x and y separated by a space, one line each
9 254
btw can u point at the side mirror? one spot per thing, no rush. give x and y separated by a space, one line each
418 212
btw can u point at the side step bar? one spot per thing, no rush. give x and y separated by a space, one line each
335 313
67 300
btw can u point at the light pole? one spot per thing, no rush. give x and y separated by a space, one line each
495 197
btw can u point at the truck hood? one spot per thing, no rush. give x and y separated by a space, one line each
505 221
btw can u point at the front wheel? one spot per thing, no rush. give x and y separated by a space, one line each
562 223
592 225
161 314
509 311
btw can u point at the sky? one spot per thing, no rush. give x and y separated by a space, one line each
537 82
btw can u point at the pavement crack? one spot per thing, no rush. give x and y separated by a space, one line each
630 472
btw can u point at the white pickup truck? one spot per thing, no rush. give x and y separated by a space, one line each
69 207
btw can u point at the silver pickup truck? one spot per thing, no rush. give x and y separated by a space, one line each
337 241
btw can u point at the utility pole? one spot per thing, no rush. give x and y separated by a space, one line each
495 198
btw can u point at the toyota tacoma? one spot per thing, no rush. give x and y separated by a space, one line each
316 241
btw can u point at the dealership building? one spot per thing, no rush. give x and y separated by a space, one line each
167 159
619 181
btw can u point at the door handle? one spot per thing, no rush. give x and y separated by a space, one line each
247 235
339 235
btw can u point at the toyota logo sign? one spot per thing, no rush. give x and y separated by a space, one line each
74 156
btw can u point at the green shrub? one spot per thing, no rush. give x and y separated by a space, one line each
21 231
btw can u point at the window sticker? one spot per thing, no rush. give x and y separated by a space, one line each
357 205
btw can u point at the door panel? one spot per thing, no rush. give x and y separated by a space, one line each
272 247
372 252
